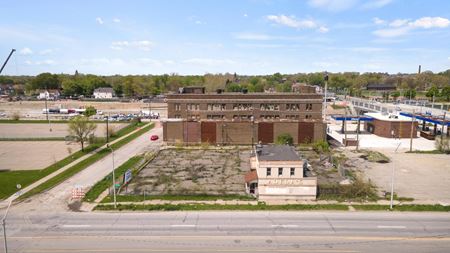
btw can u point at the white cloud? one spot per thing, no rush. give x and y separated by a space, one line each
430 22
144 45
404 26
368 49
245 15
378 21
44 62
291 21
99 20
399 22
26 51
252 36
332 5
392 32
375 4
209 61
116 20
198 22
323 29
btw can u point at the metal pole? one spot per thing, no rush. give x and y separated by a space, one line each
4 235
107 129
357 133
393 174
412 131
325 98
113 177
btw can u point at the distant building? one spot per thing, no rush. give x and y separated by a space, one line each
303 88
279 173
192 90
49 94
103 93
381 86
6 89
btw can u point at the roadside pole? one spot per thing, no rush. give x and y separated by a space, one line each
325 97
107 129
412 131
357 133
4 218
393 175
113 177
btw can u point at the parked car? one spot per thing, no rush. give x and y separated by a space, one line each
154 137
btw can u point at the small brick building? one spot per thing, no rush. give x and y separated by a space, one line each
390 126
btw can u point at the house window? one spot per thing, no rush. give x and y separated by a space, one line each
177 116
308 107
268 171
308 116
280 171
193 107
269 107
292 171
177 107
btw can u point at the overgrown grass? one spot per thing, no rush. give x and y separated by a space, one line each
414 208
337 107
200 197
403 199
359 190
374 156
106 182
204 207
433 152
84 164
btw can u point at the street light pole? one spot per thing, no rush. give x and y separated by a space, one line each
113 177
325 97
392 182
4 218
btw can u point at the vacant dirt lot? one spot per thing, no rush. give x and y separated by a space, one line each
189 171
32 155
424 177
42 130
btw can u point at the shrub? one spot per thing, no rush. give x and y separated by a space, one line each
15 116
443 144
284 139
321 146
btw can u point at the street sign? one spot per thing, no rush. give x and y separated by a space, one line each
127 177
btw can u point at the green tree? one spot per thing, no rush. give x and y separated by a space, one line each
285 138
445 93
90 110
316 79
433 91
395 94
80 129
409 93
46 81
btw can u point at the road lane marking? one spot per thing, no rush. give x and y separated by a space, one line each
76 226
394 227
182 226
284 226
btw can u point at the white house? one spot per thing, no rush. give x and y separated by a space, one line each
103 93
49 94
278 173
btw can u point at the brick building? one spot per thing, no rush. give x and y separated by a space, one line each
237 118
391 126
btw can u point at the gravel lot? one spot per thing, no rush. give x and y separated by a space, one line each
42 130
32 155
185 171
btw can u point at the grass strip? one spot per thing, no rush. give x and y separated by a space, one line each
52 182
41 121
206 207
431 152
404 208
200 197
106 182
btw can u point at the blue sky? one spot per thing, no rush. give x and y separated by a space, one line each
247 37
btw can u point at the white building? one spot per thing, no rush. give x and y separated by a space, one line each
49 94
278 173
103 93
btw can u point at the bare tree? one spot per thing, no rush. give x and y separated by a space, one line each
80 128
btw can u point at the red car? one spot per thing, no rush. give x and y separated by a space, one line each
154 137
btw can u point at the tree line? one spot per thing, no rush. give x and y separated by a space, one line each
137 86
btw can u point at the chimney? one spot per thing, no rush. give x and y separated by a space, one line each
420 67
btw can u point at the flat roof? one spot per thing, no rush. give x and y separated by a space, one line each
277 153
388 117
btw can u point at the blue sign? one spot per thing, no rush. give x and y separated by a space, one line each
127 177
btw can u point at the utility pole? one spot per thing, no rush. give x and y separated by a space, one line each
412 131
325 97
6 214
113 176
357 133
46 96
392 180
107 129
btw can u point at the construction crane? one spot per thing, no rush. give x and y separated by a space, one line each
7 59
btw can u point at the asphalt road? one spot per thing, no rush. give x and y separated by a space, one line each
230 232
